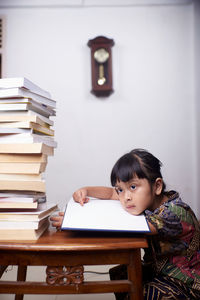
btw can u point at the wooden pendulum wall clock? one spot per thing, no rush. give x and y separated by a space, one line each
101 64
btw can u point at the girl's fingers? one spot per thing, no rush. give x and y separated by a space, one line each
83 201
57 220
56 224
54 218
80 196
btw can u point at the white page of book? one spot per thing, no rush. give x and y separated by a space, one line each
103 215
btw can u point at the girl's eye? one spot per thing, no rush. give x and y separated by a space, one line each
118 190
133 187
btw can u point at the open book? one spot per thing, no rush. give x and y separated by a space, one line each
102 215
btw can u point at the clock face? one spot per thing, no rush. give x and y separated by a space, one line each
101 55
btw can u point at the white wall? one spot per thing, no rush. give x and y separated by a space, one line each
153 105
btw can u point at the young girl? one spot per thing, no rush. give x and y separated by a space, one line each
173 256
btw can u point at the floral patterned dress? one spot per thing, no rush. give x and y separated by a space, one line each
174 252
171 266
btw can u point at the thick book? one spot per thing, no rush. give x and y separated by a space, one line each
27 137
23 158
21 92
32 196
16 203
102 215
5 120
34 127
22 168
23 198
27 115
23 234
41 109
22 185
26 148
44 210
5 101
22 224
6 206
21 177
23 82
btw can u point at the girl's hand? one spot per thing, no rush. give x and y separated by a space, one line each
80 196
57 220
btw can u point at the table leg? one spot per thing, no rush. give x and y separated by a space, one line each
135 275
21 276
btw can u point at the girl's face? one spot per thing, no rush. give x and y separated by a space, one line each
136 195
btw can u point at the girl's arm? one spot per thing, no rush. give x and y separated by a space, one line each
82 195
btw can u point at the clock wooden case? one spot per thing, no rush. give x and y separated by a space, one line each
101 65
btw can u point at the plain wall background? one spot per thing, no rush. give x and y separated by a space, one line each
155 100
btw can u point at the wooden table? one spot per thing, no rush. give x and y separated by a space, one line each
65 254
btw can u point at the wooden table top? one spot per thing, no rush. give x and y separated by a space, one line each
67 240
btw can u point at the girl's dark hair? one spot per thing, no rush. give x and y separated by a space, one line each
137 162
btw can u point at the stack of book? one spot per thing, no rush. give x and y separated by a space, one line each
26 141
